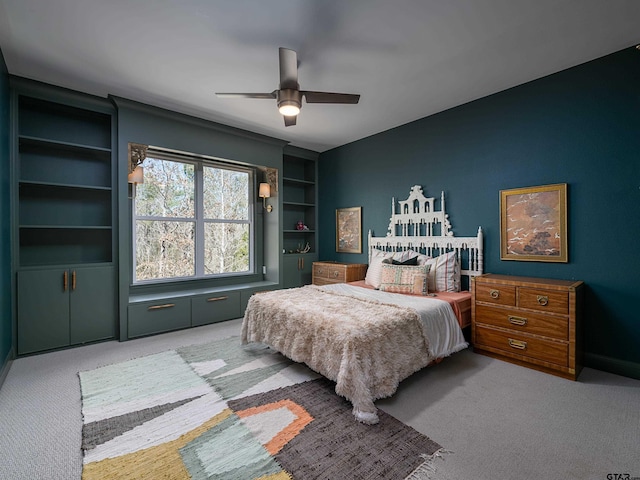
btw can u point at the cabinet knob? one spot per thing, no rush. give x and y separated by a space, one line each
543 300
494 293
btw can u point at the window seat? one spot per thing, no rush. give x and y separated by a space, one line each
152 313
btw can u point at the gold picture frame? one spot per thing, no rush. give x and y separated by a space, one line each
533 223
349 230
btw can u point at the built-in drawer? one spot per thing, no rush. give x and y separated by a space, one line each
515 343
498 294
155 317
215 307
521 321
544 300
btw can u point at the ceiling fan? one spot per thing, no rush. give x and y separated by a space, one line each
289 96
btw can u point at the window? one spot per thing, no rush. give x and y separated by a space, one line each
192 219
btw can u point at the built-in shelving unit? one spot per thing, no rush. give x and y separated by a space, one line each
299 173
64 217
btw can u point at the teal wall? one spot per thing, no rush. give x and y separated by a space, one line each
580 126
6 335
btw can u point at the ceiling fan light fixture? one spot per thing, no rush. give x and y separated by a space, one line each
289 102
289 108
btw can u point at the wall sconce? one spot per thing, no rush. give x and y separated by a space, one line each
264 193
137 154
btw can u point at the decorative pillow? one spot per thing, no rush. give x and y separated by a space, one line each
404 278
444 275
374 271
372 276
410 261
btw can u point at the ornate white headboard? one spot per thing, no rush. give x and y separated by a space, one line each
418 226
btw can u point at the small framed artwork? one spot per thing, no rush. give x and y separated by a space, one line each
349 230
533 223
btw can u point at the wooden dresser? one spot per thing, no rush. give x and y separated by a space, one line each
533 322
325 273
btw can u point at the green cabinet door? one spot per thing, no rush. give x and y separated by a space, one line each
297 269
92 300
43 310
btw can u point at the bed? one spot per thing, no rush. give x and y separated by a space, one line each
408 313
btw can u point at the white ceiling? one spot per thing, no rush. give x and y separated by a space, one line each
407 58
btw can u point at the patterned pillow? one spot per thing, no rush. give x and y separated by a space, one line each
404 279
372 276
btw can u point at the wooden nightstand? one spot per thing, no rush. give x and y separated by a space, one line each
325 273
533 322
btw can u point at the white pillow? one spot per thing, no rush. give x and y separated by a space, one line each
444 275
374 271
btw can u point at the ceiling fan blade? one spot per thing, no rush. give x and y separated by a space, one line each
288 69
327 97
289 120
271 95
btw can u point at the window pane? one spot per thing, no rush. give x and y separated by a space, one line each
168 189
226 194
226 248
164 249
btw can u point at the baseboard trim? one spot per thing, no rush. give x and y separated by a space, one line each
613 365
6 365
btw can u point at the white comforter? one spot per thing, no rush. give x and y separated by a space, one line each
440 323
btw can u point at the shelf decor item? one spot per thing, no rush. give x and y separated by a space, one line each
349 230
533 223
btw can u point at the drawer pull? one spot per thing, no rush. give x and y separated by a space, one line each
519 344
216 299
520 321
320 271
543 300
336 273
159 307
494 293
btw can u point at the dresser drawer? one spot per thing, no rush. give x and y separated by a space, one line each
526 322
544 300
532 347
334 273
497 294
155 317
215 307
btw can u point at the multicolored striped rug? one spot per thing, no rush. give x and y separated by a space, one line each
223 411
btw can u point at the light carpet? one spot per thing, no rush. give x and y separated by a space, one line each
223 411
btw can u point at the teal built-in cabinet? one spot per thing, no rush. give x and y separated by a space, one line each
63 219
299 174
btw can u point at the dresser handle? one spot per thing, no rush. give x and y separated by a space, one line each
159 307
519 344
216 299
521 321
543 300
494 293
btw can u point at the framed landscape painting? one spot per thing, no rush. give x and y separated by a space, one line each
533 223
349 230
